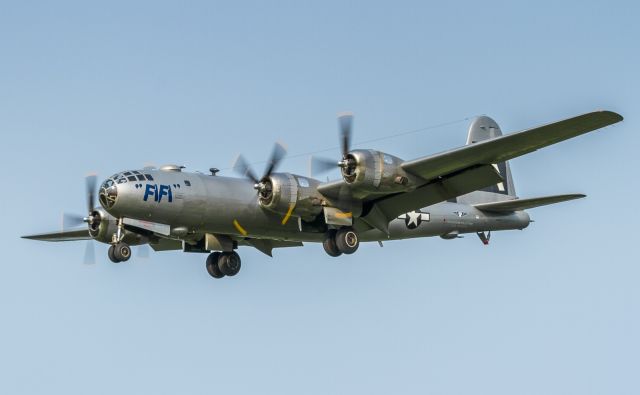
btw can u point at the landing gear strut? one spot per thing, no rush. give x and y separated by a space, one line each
342 241
119 251
220 264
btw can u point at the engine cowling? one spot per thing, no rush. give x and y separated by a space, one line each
370 171
290 194
102 227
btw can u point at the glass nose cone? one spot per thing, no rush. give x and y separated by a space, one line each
108 193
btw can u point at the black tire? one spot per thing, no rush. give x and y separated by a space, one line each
347 240
330 246
111 254
229 263
212 265
122 252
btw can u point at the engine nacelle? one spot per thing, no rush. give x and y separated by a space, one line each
102 227
370 171
290 194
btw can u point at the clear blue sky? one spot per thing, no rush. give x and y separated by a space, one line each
110 86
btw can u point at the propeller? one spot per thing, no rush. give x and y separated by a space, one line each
89 253
73 220
322 165
143 251
345 120
262 184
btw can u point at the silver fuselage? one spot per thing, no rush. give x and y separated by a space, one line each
192 204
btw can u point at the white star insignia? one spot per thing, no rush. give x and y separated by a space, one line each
414 218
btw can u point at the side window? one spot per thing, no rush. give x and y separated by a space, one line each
303 182
187 183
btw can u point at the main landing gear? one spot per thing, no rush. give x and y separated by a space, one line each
341 241
119 252
220 264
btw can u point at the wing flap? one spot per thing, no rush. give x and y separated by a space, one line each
163 244
508 146
266 246
523 204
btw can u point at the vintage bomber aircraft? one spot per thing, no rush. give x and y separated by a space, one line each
380 197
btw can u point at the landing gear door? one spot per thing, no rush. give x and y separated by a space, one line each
333 216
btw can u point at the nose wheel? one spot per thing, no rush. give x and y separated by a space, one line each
220 264
342 241
119 252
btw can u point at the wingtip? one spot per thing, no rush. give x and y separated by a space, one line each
614 116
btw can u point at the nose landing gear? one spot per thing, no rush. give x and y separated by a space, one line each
342 241
220 264
119 252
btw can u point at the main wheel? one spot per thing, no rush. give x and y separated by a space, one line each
212 265
111 253
229 263
329 244
122 252
347 240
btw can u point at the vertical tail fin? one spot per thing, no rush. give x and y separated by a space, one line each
485 128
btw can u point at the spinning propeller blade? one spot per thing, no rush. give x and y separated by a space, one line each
242 167
345 125
89 253
320 165
345 121
90 185
71 220
277 154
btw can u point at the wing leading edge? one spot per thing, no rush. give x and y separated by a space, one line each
508 146
65 235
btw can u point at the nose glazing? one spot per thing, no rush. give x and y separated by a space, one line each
108 193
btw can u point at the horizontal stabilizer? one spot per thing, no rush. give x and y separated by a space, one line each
523 204
65 235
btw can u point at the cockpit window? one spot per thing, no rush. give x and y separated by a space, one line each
140 177
135 172
149 177
131 178
127 173
187 183
121 180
